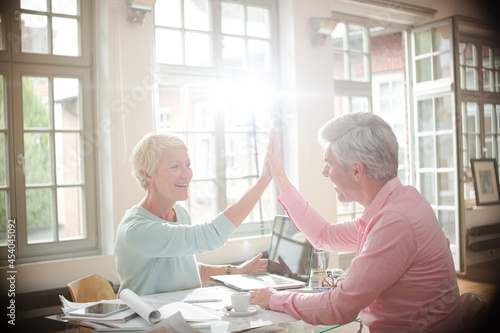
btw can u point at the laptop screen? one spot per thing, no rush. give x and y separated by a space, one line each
290 252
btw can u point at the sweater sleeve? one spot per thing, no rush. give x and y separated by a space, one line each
153 238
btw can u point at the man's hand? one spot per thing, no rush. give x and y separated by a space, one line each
261 297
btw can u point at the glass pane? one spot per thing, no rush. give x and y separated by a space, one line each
357 38
359 104
358 67
66 103
259 55
202 154
445 151
338 36
489 125
202 200
446 189
428 187
233 52
169 113
68 158
168 47
425 116
68 7
37 161
239 155
3 161
39 215
441 38
487 80
38 5
34 34
422 42
444 119
196 15
201 113
232 18
2 102
168 13
423 68
65 37
339 66
447 222
471 79
35 102
469 55
198 49
426 152
258 22
442 68
235 189
3 219
70 213
384 89
485 55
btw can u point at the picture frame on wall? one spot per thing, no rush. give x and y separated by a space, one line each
485 177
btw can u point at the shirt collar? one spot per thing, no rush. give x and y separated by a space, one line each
379 200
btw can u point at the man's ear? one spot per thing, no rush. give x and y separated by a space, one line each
357 170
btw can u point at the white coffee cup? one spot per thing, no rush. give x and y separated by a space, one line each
240 301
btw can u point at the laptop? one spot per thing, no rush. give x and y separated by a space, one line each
289 264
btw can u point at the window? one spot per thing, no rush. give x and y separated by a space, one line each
434 126
47 181
214 87
369 74
480 80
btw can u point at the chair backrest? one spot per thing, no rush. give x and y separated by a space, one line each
92 288
473 309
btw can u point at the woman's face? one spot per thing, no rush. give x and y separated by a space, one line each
172 178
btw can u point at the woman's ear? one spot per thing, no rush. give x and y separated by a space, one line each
145 174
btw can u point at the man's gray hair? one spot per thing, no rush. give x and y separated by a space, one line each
147 153
362 137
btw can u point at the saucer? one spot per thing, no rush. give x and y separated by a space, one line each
253 309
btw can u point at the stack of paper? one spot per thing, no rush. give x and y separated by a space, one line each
171 315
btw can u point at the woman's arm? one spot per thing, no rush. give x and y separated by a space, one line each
254 265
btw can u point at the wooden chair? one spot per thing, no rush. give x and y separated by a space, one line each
92 288
473 310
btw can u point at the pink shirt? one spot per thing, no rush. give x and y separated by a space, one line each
402 278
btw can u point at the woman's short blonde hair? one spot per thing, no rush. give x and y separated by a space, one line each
147 153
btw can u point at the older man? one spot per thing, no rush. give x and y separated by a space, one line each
402 278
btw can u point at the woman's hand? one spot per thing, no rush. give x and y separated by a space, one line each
261 297
254 265
275 160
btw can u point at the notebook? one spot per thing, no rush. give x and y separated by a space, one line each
290 255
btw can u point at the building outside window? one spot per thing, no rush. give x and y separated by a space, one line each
216 71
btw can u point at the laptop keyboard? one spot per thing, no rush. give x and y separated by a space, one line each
269 279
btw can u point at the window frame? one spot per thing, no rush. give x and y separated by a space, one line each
14 65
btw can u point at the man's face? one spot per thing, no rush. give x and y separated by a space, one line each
340 178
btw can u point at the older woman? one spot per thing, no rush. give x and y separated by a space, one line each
156 243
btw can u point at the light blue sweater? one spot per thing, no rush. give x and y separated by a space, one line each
154 255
